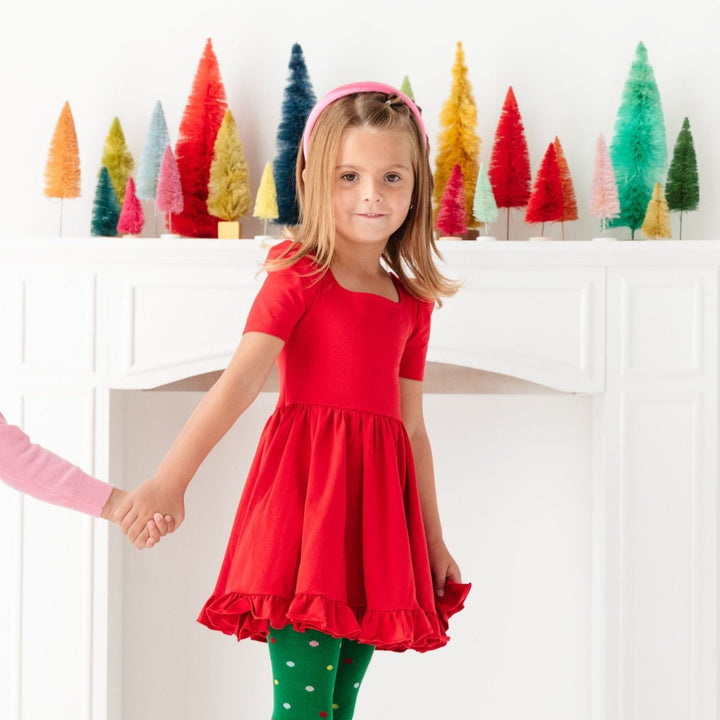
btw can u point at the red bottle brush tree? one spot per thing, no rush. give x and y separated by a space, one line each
604 200
199 127
570 211
546 200
509 169
62 171
132 218
452 215
169 198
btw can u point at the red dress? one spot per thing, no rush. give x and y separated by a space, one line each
328 533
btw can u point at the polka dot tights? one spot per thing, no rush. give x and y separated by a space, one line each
315 675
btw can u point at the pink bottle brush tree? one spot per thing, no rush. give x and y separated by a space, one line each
132 218
604 199
452 215
169 199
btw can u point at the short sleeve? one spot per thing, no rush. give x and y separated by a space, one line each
412 363
283 298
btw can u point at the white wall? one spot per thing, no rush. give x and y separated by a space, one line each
566 61
519 524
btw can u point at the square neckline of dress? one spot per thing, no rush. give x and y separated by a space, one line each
396 283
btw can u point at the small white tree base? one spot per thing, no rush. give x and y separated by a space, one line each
539 238
169 236
486 238
604 239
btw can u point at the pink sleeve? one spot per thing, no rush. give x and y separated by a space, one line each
412 363
38 472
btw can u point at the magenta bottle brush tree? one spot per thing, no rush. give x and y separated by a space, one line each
452 215
131 219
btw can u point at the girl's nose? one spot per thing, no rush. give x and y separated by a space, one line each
371 192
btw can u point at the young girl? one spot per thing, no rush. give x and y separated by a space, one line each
337 547
46 476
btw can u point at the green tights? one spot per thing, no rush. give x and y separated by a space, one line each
315 675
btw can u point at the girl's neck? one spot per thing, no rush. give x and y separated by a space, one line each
363 272
363 261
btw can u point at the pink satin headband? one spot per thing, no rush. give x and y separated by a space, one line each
351 89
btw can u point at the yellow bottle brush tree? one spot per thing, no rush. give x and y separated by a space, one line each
656 224
117 159
229 184
266 207
62 171
458 141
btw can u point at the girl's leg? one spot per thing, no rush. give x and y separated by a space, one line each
305 665
354 661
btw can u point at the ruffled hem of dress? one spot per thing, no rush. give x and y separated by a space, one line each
248 616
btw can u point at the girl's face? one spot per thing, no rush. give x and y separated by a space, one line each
373 186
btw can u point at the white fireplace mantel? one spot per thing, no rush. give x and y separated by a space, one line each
633 324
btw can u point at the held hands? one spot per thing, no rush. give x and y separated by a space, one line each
442 566
138 516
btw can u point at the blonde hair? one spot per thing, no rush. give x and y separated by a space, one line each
411 250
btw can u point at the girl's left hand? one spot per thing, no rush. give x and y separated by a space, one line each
442 566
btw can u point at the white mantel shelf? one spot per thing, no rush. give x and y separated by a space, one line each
633 324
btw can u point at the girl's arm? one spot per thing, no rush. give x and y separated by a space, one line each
234 391
34 470
442 564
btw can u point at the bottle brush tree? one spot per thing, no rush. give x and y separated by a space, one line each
170 198
604 201
117 159
683 188
156 140
199 127
62 170
452 215
106 209
229 184
509 169
132 218
638 149
484 206
546 199
570 211
298 101
266 207
406 88
656 223
458 141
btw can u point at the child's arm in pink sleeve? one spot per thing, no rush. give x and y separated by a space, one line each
46 476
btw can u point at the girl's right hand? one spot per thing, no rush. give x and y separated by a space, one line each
153 501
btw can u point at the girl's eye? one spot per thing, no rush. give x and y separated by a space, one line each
393 178
348 177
